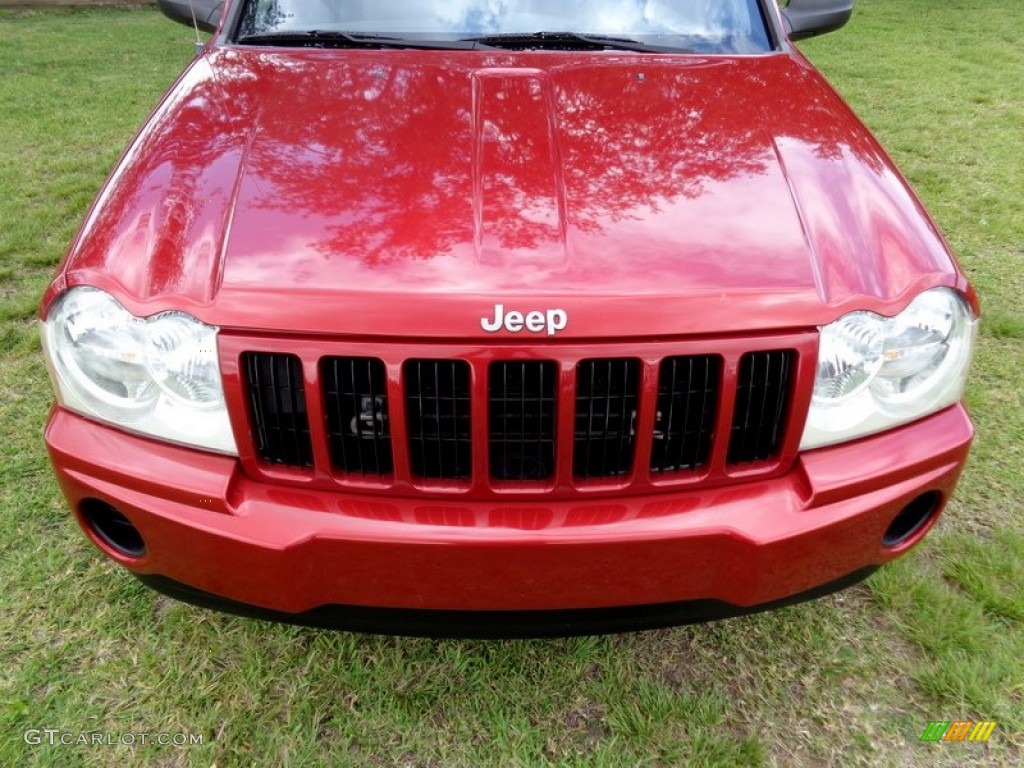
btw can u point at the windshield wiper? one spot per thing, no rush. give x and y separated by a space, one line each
329 38
571 41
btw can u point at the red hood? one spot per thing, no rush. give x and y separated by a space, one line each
405 193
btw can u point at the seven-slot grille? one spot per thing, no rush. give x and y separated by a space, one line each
622 420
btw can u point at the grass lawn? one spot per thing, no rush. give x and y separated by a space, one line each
849 680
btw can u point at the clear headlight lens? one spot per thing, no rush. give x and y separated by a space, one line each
875 373
850 353
182 360
157 376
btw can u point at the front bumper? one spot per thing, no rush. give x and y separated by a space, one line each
215 536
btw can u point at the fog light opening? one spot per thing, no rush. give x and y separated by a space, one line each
912 518
112 528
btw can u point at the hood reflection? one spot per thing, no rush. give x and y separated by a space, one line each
569 173
338 176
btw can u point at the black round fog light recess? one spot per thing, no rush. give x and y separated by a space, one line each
112 528
912 518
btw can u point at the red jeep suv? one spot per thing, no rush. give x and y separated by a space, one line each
506 318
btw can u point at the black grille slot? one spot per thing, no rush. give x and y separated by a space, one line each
605 426
356 406
277 399
688 392
437 412
762 400
521 415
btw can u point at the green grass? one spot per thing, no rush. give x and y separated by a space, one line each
849 680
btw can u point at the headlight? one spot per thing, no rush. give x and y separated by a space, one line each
157 376
876 372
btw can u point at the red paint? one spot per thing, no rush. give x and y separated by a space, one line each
293 549
320 201
562 485
691 202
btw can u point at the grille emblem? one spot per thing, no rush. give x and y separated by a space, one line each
552 321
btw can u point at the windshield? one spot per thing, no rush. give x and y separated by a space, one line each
706 26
